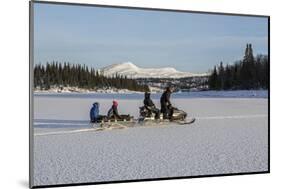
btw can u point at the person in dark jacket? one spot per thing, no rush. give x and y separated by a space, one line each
150 106
166 105
113 111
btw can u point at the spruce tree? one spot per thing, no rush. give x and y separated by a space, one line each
221 76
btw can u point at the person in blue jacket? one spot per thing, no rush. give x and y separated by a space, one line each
94 113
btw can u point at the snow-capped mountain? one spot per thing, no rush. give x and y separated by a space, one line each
132 71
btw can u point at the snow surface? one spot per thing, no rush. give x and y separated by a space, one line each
132 71
230 135
125 94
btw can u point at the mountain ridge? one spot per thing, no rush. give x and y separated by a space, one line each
130 70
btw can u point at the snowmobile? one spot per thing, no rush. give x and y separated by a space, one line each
179 116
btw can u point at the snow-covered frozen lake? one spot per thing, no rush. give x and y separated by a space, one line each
230 135
195 94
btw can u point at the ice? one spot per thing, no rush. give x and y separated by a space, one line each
230 135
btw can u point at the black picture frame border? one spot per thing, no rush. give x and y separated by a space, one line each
31 63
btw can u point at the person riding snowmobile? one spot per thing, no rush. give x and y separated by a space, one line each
113 111
150 106
166 106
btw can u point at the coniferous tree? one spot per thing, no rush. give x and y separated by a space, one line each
228 79
221 76
213 80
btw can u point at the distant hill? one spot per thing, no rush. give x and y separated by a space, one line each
132 71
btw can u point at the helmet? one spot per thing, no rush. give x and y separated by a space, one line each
96 104
168 89
115 103
146 94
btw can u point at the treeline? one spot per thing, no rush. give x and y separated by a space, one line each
75 75
249 73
